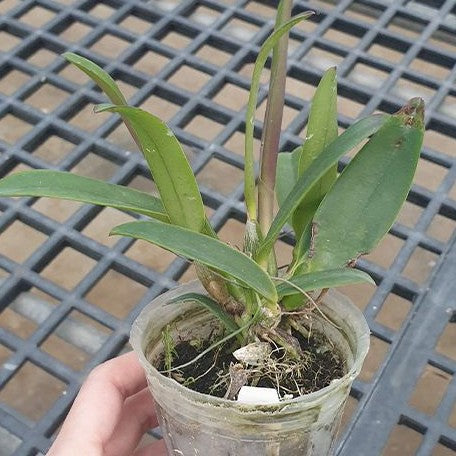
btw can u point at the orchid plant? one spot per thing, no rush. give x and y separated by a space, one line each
335 217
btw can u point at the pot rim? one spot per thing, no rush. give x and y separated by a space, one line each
361 333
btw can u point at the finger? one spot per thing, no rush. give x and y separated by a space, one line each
98 406
154 449
137 417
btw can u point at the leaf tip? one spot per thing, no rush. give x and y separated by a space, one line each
412 113
69 55
103 107
72 57
116 231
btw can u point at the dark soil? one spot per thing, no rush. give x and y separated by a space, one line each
210 374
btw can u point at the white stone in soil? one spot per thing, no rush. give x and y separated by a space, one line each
258 396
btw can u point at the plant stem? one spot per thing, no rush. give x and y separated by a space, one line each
273 122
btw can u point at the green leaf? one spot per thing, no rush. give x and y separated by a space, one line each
321 131
65 185
210 305
287 173
110 88
349 139
322 279
99 76
362 205
206 250
104 81
169 166
249 162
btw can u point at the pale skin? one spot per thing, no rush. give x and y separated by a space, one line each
111 414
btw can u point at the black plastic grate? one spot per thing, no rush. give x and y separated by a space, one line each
190 62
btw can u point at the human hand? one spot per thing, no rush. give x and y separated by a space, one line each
111 414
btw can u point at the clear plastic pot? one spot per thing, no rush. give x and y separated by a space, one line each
195 424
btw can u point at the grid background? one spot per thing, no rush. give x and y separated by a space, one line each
190 62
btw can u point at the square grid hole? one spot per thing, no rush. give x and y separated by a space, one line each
189 78
386 251
116 293
150 62
213 54
121 137
446 343
102 11
440 141
261 9
75 32
56 209
241 29
150 256
448 106
374 359
403 441
431 379
47 98
8 41
85 119
13 80
7 5
443 39
394 311
420 265
232 96
5 353
442 450
423 65
409 214
406 26
75 340
322 59
160 106
31 391
343 34
22 321
176 40
204 16
441 228
220 176
74 74
350 408
235 144
405 89
110 46
42 56
99 227
51 147
19 240
204 127
16 323
68 268
367 76
95 166
13 128
135 24
37 16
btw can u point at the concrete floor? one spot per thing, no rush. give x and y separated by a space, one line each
19 240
